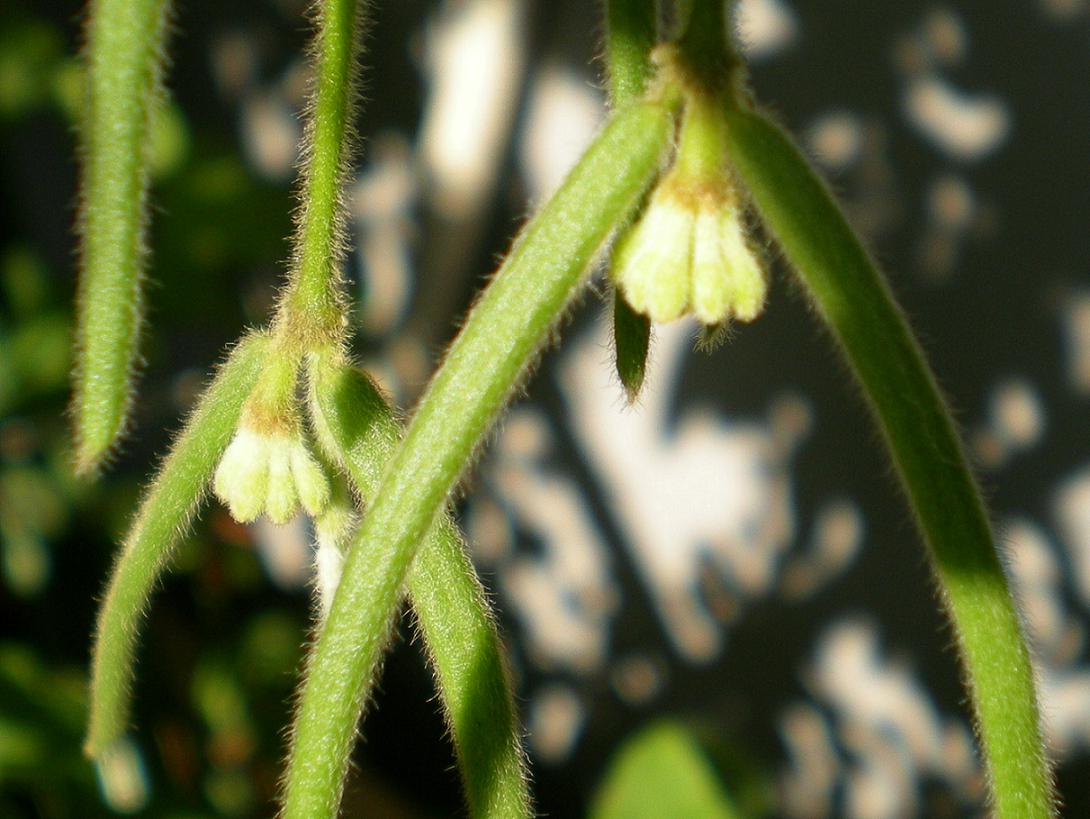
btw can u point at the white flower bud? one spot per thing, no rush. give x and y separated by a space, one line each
271 474
727 278
310 480
281 500
242 475
651 261
331 530
688 253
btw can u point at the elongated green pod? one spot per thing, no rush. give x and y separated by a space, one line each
854 300
168 505
486 361
124 65
359 431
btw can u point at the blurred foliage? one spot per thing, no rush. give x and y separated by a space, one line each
669 769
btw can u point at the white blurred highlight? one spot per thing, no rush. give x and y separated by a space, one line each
708 491
565 596
887 725
1016 422
474 68
965 127
284 551
766 27
383 200
555 722
1071 508
836 140
564 112
122 777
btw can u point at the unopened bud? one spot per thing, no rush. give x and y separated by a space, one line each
727 278
282 501
331 533
271 474
688 252
310 480
242 476
651 261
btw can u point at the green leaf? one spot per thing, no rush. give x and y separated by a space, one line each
125 58
631 33
662 771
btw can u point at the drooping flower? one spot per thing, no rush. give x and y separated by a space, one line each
270 473
688 252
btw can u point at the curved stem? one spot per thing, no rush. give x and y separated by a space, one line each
483 366
856 303
168 505
359 431
124 63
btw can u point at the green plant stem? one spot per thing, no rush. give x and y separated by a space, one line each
704 47
631 32
312 309
359 431
483 366
124 59
168 505
856 303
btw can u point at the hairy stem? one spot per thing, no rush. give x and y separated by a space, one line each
856 303
631 32
168 505
312 311
484 364
124 59
359 431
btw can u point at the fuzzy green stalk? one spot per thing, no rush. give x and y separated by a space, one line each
124 58
311 311
359 431
631 33
501 335
169 504
855 301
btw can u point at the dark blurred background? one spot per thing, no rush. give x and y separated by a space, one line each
733 554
